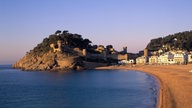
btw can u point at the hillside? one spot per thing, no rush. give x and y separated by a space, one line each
177 41
65 57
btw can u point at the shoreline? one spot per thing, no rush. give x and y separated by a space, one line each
156 88
159 91
160 95
174 83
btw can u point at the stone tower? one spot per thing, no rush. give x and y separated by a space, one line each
146 52
57 49
126 57
84 52
125 50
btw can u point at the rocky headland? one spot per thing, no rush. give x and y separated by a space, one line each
65 51
49 61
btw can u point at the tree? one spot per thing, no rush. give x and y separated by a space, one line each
68 39
86 42
58 32
65 31
109 46
181 40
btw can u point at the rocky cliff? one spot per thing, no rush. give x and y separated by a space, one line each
66 51
49 61
56 53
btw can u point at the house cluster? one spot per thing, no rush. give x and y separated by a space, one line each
161 57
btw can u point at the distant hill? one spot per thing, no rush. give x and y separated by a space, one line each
178 41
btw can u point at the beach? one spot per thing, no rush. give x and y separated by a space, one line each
175 83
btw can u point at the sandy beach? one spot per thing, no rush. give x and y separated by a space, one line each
175 83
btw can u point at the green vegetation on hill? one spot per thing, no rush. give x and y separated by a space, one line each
69 39
178 41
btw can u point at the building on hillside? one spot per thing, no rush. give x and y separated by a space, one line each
161 51
100 48
57 47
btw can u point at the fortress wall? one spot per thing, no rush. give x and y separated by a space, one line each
122 57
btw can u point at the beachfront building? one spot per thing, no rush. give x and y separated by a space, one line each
166 58
123 62
173 57
131 61
142 60
180 58
153 60
190 57
163 59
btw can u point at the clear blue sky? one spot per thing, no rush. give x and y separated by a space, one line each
131 23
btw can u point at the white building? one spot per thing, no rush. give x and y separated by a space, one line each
173 57
166 58
153 60
131 61
190 57
123 62
179 58
142 60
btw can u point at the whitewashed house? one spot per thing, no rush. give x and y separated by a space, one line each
173 57
163 59
179 58
153 60
190 57
142 60
131 61
166 58
123 62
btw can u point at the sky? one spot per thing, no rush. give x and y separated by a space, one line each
131 23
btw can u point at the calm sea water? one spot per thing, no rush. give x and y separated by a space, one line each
86 89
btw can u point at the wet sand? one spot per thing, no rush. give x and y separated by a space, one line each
175 83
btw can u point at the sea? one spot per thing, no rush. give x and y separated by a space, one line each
77 89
